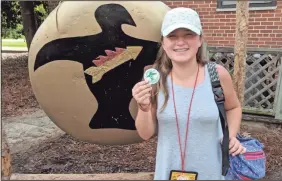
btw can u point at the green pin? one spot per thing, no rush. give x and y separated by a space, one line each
152 75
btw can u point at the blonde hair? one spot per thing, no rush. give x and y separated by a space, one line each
164 65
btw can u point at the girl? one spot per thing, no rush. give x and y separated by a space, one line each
182 111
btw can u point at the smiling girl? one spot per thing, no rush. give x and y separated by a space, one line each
182 111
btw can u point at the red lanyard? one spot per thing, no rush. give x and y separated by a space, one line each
188 119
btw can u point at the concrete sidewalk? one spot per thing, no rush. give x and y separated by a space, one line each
14 50
13 40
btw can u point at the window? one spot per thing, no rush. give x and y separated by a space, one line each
229 5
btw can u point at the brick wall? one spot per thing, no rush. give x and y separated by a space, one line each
265 26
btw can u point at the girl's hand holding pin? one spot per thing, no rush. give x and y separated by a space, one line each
142 90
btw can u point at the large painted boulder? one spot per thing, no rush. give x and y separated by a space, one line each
84 61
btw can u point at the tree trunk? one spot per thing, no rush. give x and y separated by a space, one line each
241 38
27 11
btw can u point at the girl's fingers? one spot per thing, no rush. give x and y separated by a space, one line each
143 92
139 84
238 151
142 87
244 150
235 147
232 143
146 96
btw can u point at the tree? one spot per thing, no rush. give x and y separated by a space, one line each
29 23
30 14
241 38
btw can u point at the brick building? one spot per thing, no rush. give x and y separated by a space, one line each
219 21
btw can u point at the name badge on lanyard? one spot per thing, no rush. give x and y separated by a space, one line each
182 174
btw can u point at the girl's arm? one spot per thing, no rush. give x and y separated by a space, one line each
146 123
233 109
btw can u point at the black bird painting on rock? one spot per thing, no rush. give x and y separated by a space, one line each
113 62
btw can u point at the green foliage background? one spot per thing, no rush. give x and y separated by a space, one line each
12 26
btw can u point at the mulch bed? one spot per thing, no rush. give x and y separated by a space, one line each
17 95
68 155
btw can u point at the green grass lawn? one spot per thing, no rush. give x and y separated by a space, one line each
13 44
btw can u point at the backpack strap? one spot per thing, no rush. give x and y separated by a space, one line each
219 99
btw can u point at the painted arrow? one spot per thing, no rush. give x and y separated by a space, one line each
131 52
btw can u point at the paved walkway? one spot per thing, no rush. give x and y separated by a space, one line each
24 131
14 49
14 40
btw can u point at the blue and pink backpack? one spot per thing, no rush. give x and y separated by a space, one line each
248 166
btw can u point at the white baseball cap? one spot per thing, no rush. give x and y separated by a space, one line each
181 18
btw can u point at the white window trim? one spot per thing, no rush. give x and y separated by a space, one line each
250 8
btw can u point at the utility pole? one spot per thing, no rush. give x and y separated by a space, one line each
241 39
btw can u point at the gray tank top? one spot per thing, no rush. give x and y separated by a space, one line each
203 152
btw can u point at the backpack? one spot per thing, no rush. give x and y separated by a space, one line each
247 166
